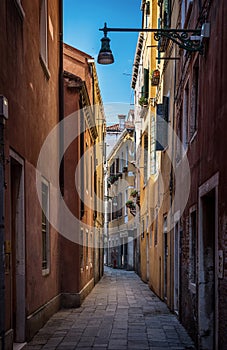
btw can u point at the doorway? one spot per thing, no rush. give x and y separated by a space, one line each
18 246
176 267
165 239
147 257
208 289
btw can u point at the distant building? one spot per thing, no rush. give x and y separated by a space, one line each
120 183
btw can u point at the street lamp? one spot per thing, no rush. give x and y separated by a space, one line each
187 39
105 54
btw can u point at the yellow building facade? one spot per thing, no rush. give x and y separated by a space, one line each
152 100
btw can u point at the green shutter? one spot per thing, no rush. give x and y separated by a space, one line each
146 82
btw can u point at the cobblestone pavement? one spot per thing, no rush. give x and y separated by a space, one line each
120 313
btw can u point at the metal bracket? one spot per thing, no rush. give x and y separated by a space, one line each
187 39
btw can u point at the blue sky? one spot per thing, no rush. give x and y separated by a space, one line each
82 20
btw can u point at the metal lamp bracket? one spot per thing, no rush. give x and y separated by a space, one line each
187 39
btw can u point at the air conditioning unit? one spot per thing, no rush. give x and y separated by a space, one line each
3 107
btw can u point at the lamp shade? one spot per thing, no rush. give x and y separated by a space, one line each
105 54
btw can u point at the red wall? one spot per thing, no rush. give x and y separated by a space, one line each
33 111
207 156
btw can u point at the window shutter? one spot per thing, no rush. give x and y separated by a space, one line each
145 158
159 127
166 13
146 82
162 118
142 92
166 108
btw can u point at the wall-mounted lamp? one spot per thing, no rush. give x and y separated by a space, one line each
187 39
105 54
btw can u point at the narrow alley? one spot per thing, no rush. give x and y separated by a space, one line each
120 313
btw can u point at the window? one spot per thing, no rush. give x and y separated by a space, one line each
119 214
162 119
165 224
112 170
156 227
121 162
145 158
81 165
192 246
147 224
109 214
86 168
114 208
86 247
92 242
166 14
146 13
99 204
45 228
185 117
194 100
117 165
179 139
151 229
146 82
43 33
143 228
81 248
126 157
186 7
126 210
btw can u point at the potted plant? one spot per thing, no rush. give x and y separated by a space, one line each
131 205
134 193
143 101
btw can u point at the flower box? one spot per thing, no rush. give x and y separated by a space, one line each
155 77
134 193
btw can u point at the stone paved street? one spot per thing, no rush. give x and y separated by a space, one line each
120 313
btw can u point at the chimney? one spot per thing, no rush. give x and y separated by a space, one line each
121 118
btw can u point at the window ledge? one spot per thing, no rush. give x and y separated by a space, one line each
45 68
20 9
45 272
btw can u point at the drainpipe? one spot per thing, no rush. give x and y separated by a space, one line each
61 95
171 183
3 117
